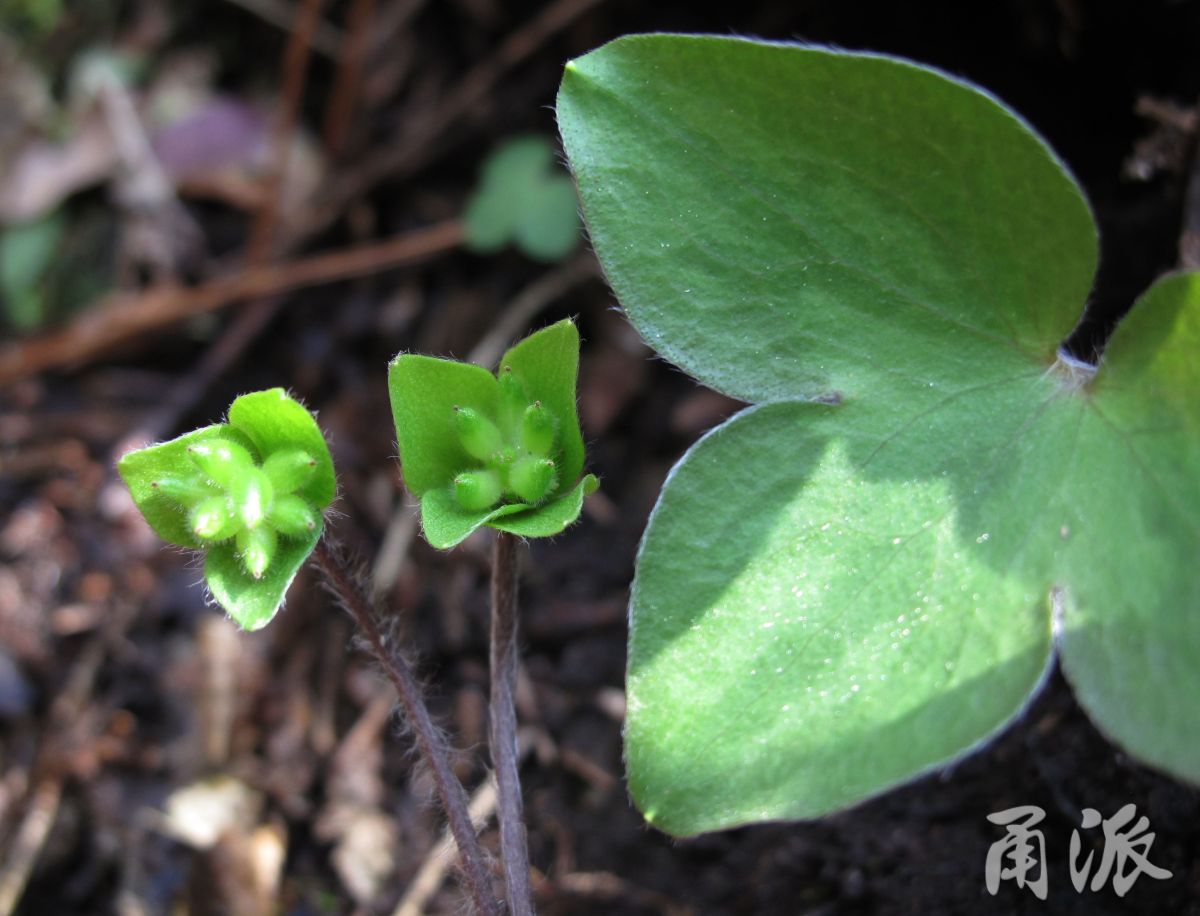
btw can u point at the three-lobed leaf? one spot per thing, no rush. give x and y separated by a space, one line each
167 481
863 576
524 200
428 395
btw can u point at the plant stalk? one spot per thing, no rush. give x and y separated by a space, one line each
503 732
429 740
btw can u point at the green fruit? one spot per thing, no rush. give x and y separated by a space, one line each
538 427
478 435
477 490
513 400
252 495
186 491
256 549
213 519
291 516
533 479
289 470
221 460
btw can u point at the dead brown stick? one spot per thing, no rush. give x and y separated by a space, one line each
340 111
1189 236
295 73
44 799
417 146
327 39
40 814
122 317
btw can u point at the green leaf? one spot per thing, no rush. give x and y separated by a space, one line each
522 199
26 252
729 183
166 482
425 393
1130 640
863 577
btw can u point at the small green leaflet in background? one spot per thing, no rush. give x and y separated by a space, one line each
250 493
428 396
866 574
523 199
27 251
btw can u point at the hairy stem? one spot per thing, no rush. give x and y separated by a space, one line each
503 737
429 740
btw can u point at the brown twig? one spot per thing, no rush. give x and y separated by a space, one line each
400 158
295 72
503 734
64 717
1189 237
432 746
123 317
338 115
40 815
326 39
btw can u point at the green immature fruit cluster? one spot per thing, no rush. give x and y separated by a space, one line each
229 496
516 452
250 493
503 450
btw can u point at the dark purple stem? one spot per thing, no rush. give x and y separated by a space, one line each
429 740
503 738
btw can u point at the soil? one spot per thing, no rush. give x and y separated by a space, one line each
120 686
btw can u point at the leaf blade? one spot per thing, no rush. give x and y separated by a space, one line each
728 199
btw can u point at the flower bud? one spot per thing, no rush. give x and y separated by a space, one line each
256 549
252 494
532 479
289 469
477 490
478 435
213 519
538 427
221 460
291 516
